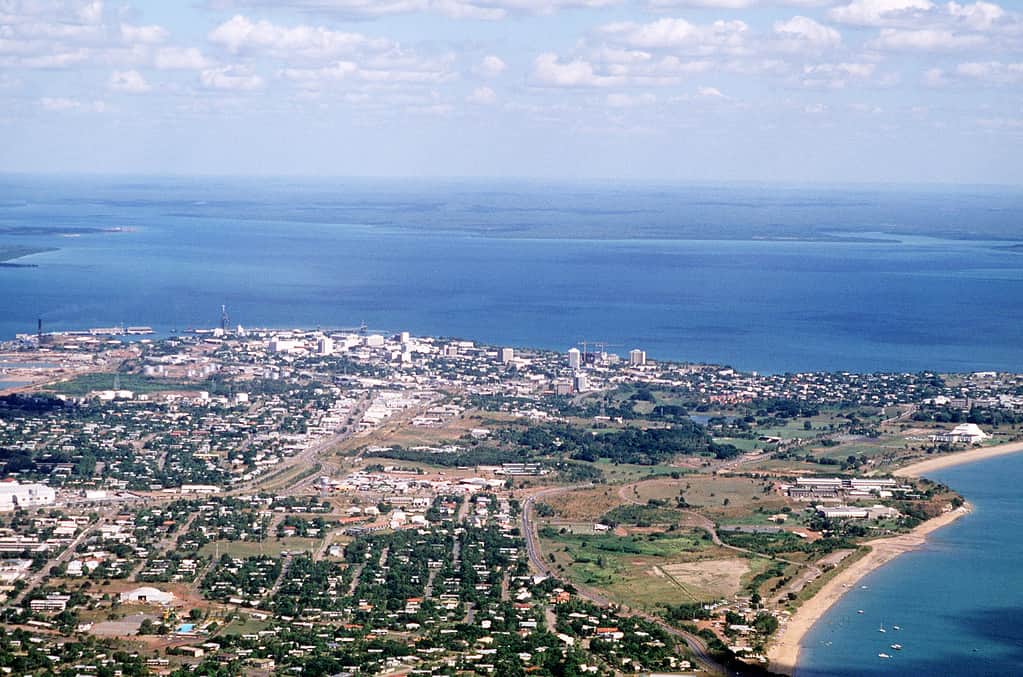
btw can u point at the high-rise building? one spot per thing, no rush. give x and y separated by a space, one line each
325 345
575 358
579 382
405 337
637 357
506 355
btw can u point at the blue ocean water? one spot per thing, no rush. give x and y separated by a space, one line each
525 264
958 600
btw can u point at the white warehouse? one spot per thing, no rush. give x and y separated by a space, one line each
14 495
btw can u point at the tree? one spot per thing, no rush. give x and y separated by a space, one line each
765 623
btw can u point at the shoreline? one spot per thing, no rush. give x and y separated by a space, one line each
783 654
927 465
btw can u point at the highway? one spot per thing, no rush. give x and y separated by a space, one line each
695 643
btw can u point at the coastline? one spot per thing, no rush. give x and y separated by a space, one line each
784 652
783 655
950 460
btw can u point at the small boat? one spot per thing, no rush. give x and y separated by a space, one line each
863 587
897 647
881 629
860 611
883 655
896 627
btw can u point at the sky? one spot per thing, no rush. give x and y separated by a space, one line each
906 91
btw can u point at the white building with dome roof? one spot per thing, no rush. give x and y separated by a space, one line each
964 433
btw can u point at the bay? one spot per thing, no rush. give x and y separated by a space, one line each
958 601
781 279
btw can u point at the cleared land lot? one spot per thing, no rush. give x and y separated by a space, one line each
646 571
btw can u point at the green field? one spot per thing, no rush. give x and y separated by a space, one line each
254 548
740 443
87 383
646 571
627 472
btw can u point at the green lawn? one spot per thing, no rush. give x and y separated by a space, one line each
270 546
82 385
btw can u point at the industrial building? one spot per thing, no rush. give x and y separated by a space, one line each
14 496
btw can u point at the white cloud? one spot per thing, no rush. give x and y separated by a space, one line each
335 71
49 35
56 60
91 12
490 67
61 104
880 12
709 93
548 70
677 34
365 9
856 70
130 82
483 96
486 10
994 72
239 34
406 71
147 35
710 4
230 78
927 39
731 4
180 58
801 32
836 75
979 16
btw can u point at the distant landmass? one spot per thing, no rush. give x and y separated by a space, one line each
11 253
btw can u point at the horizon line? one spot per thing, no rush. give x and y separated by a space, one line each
822 183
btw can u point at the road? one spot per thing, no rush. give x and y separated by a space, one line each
36 578
696 644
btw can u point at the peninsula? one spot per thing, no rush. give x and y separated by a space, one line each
344 498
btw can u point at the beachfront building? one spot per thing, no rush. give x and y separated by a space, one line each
964 433
838 488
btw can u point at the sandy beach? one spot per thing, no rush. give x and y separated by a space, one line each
784 653
949 460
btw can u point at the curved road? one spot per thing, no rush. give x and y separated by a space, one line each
695 643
